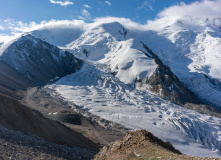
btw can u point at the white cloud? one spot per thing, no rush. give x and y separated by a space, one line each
86 14
82 18
87 6
151 8
5 38
108 3
2 28
65 3
9 21
201 9
145 5
204 8
126 22
16 28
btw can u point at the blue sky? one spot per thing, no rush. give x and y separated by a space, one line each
38 10
18 16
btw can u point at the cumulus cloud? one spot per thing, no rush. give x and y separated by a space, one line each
65 3
108 3
87 6
204 8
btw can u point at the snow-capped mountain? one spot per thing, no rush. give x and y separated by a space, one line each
118 59
128 59
28 61
191 48
127 71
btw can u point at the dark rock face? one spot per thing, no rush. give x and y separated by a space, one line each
12 79
34 62
167 85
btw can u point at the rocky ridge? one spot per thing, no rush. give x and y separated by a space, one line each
166 84
142 145
29 61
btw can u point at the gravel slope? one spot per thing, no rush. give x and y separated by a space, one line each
16 145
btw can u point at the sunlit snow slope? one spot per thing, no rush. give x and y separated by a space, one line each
114 60
191 47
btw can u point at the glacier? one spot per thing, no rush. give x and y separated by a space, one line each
97 91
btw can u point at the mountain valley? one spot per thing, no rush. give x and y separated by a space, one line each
91 83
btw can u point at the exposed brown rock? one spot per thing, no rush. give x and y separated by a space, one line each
167 85
142 145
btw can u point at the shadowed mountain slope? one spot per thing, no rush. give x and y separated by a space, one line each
28 61
16 116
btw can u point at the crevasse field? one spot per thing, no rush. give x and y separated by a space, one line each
97 91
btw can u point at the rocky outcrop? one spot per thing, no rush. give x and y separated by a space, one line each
142 145
133 145
166 84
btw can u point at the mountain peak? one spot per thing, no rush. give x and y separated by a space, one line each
117 30
35 60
